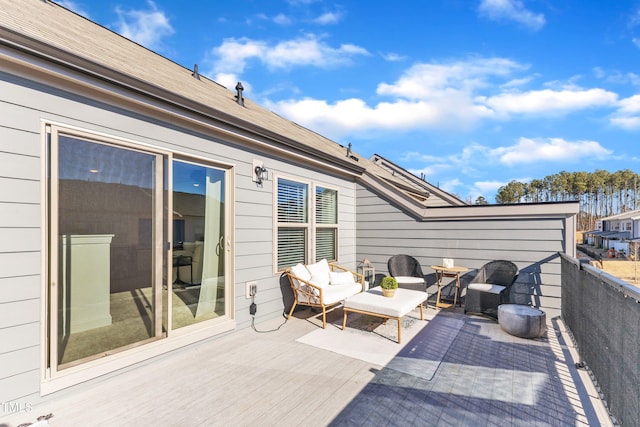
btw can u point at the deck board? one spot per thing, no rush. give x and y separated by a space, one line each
249 378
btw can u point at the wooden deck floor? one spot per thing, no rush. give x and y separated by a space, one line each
262 379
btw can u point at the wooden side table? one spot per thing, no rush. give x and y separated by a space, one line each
454 272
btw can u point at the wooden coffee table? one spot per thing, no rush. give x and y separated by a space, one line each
373 303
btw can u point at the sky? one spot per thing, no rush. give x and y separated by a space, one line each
470 94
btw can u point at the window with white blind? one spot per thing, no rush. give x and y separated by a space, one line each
299 226
326 223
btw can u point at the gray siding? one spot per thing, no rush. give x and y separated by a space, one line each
255 231
23 107
532 243
19 336
20 246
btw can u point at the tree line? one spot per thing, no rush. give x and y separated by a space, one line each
600 193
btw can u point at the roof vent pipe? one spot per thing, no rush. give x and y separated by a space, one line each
195 73
239 98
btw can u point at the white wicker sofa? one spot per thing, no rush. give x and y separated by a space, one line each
322 285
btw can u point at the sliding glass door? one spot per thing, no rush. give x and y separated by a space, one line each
116 279
198 287
106 249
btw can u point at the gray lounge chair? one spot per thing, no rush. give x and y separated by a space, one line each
490 288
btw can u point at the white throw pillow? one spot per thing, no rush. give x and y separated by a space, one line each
341 278
301 271
320 273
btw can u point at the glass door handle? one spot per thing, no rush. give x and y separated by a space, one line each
220 245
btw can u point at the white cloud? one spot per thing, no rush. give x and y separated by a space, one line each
626 122
628 114
512 10
348 116
146 27
308 51
450 185
464 162
475 159
548 101
630 105
343 117
634 19
230 80
282 19
433 166
233 55
328 18
617 77
448 96
533 150
517 82
393 57
439 80
487 187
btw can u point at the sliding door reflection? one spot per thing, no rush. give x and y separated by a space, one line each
107 216
198 273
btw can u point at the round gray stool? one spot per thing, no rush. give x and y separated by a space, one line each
522 321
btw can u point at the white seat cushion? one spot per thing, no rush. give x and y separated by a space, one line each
409 279
337 293
372 301
486 287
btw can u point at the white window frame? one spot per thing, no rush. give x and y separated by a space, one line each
311 226
325 226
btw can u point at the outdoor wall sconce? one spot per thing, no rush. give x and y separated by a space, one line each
260 173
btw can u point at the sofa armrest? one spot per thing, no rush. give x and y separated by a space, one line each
305 289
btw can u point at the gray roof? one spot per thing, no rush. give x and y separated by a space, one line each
76 42
435 195
625 215
618 235
609 234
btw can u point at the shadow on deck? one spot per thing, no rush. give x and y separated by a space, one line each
486 378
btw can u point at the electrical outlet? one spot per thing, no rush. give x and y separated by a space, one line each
251 288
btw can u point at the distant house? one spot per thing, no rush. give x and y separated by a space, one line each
139 200
627 224
615 232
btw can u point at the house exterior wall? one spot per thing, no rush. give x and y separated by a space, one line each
532 242
24 106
